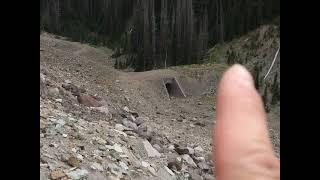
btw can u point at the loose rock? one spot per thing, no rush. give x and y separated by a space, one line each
208 177
57 174
140 120
171 147
43 176
145 131
96 176
182 150
198 150
189 160
123 165
203 166
158 148
145 164
73 161
96 166
80 157
175 165
88 100
129 124
126 109
166 173
150 150
78 174
53 92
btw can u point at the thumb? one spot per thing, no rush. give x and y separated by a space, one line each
243 150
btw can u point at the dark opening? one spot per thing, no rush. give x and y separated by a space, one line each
169 88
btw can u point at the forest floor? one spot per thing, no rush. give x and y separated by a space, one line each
104 133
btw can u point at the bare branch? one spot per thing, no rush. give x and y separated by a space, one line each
274 59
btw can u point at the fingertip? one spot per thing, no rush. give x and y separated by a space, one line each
241 120
237 75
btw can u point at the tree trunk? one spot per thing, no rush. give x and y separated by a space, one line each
221 22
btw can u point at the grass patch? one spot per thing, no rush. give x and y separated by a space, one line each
219 67
103 49
216 54
208 99
192 69
106 50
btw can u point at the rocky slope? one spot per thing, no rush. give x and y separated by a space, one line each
256 51
99 123
88 131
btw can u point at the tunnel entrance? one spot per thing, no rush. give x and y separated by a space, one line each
173 88
169 88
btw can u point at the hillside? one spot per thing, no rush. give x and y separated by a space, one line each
256 51
101 123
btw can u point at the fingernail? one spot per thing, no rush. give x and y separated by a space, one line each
242 75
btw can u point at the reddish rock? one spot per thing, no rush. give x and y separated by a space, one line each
88 100
58 174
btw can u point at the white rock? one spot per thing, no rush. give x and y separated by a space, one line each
119 127
191 151
100 140
103 109
171 147
67 81
58 100
52 119
96 166
145 164
202 159
152 170
118 148
109 147
123 165
61 122
43 77
152 152
43 176
72 119
126 109
44 165
120 132
64 135
80 157
78 174
189 160
129 124
158 148
115 147
166 173
74 150
132 118
169 171
123 156
96 152
198 149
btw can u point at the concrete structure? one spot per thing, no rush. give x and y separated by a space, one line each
173 88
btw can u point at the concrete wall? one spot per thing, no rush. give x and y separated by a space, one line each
175 88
